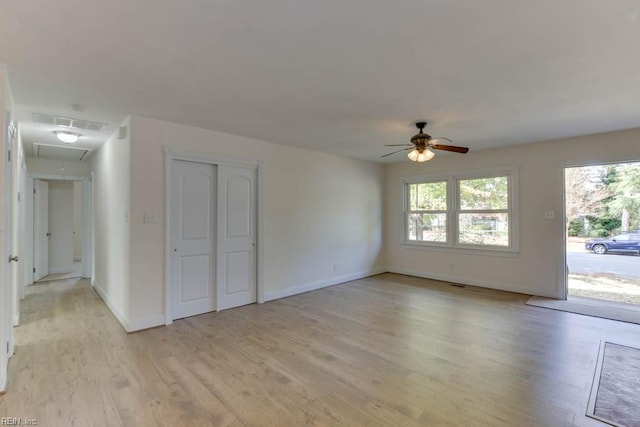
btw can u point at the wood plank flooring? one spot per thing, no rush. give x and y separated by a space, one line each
389 350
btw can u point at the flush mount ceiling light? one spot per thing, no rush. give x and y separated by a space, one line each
421 143
66 136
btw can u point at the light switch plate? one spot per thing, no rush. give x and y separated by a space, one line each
150 218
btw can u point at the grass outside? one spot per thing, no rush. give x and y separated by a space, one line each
601 286
605 287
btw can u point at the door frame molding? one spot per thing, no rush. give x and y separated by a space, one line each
87 236
562 284
173 153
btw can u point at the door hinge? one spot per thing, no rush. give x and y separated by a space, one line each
7 347
34 269
34 191
9 154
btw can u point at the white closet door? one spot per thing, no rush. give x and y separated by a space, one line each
193 213
41 229
237 223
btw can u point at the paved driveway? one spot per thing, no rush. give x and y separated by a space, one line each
627 266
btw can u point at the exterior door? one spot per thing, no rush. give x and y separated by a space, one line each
237 223
193 213
40 229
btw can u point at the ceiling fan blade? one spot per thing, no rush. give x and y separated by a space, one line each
397 151
449 148
398 145
440 137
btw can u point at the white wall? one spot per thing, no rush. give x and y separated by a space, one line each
539 264
60 226
319 210
58 167
78 219
111 206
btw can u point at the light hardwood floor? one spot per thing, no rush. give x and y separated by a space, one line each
389 350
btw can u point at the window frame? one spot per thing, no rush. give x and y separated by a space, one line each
453 211
408 212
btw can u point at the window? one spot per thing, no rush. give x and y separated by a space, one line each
427 212
483 217
469 211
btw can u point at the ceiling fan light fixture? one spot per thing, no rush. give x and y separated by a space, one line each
420 156
66 136
421 144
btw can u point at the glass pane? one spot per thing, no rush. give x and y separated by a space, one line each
484 229
484 193
428 227
429 196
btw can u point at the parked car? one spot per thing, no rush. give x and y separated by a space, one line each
626 243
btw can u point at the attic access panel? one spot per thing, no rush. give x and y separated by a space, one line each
58 152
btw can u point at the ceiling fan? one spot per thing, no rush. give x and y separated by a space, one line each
421 144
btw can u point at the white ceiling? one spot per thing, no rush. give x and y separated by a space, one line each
342 76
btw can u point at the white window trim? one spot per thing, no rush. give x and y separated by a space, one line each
452 180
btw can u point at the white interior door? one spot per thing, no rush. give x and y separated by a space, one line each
193 211
40 229
61 227
237 223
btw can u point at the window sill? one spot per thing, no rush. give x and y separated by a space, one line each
490 251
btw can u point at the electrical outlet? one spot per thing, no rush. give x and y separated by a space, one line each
550 214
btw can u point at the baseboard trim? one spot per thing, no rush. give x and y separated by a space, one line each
471 282
119 316
146 322
300 289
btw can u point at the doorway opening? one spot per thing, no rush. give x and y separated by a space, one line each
602 212
61 229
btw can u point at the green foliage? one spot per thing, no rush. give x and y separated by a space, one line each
610 175
485 193
603 226
431 196
600 232
608 195
625 185
576 227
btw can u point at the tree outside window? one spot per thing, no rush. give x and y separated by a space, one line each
476 211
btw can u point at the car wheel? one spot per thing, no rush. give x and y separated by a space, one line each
599 249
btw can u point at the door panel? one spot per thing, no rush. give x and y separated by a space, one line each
237 277
237 223
41 229
193 187
238 203
195 277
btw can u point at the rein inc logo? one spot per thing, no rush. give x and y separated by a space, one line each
18 421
